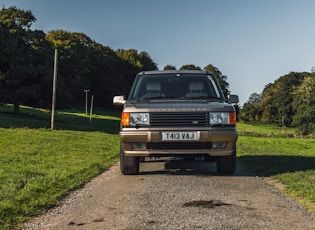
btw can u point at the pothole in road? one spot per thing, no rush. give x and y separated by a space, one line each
205 203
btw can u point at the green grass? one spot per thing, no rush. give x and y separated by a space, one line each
264 130
40 166
64 120
289 160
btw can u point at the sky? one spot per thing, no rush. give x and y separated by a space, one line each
252 42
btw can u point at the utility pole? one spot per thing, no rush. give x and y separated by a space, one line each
54 92
91 109
86 99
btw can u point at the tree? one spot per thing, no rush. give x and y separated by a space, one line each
73 65
277 99
255 99
190 67
143 60
42 59
169 67
221 78
19 76
304 106
147 62
85 64
250 111
110 75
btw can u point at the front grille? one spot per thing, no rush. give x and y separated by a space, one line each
185 119
179 145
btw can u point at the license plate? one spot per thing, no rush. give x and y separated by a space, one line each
179 136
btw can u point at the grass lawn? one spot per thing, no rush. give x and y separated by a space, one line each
40 166
289 160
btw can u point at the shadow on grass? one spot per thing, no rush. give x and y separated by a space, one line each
109 125
270 165
35 119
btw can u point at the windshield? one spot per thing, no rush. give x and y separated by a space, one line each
183 86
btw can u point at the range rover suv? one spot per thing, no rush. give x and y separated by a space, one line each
179 113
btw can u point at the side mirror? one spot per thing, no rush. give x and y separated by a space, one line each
119 100
233 99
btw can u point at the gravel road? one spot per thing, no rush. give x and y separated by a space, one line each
173 194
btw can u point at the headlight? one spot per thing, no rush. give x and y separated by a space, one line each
134 119
139 119
224 118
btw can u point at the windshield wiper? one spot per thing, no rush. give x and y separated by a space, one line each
158 97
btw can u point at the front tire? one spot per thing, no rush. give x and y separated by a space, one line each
128 165
227 164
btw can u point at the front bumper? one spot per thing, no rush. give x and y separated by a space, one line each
127 137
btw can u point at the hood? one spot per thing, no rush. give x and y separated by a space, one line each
183 106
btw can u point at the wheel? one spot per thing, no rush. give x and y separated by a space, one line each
128 165
227 164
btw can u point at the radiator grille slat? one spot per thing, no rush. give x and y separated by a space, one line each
185 119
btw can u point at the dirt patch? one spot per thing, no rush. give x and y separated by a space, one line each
277 184
274 182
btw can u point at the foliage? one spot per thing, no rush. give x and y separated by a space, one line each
23 58
73 64
26 61
304 106
190 67
142 60
85 64
221 78
251 111
169 67
289 101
